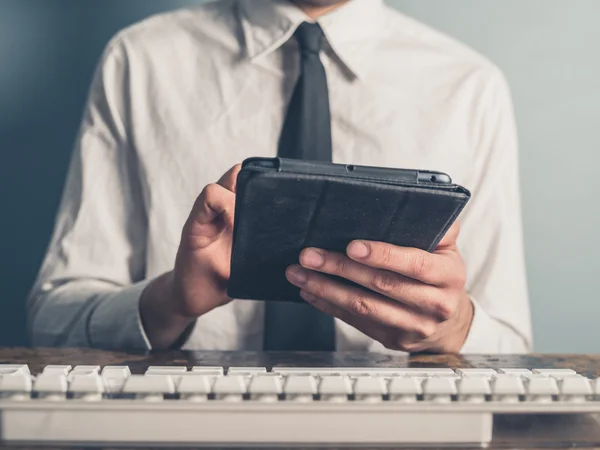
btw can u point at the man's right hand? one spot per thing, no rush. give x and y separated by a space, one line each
198 283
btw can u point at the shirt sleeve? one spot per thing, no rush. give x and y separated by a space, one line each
88 288
491 238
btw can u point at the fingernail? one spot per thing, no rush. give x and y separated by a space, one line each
312 258
358 250
297 275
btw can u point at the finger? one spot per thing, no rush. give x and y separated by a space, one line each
412 293
391 338
213 202
361 303
449 239
229 179
211 215
414 263
378 332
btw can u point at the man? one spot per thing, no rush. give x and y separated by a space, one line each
184 97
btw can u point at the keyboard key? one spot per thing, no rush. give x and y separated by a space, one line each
230 388
405 389
51 386
370 389
488 373
14 369
365 371
541 389
321 371
113 385
335 388
439 389
556 373
575 389
79 370
516 372
56 370
114 377
427 372
166 370
300 388
208 370
265 388
507 388
85 371
16 387
195 388
246 371
116 372
474 389
151 388
596 387
86 386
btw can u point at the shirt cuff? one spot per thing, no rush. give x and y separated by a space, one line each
116 322
481 335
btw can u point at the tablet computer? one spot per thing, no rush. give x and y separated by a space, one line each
284 206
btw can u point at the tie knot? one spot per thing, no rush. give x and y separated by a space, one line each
310 38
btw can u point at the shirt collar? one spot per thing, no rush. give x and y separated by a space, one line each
351 29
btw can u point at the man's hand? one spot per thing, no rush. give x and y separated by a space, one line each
405 298
198 282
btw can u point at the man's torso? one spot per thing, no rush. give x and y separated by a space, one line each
199 104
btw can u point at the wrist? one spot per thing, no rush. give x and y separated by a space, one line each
464 319
453 334
160 313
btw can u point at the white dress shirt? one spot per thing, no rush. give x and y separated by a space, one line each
181 97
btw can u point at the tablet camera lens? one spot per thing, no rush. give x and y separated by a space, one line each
350 168
433 178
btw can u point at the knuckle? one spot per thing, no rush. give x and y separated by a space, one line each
424 330
361 306
210 190
388 255
385 281
340 265
411 346
319 290
319 304
442 308
420 265
398 342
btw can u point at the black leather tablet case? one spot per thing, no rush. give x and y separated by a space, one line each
284 206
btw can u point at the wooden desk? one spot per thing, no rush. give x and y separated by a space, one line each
538 432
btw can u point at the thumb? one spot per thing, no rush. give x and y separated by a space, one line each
229 180
449 240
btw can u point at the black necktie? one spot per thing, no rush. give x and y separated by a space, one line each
306 134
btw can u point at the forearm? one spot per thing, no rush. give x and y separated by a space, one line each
87 313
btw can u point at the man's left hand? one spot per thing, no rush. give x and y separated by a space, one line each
407 299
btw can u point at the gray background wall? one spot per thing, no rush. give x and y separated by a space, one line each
547 48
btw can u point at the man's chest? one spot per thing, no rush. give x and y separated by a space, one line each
202 134
193 129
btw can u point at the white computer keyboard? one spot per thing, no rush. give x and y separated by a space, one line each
88 405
